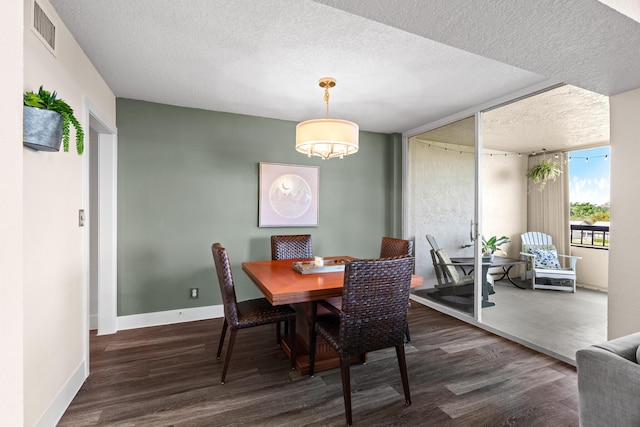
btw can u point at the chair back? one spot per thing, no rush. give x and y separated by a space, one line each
432 242
225 279
446 266
535 238
292 246
440 275
391 247
540 244
374 304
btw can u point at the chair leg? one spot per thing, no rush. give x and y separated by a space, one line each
406 334
346 388
292 342
312 337
232 340
402 362
224 332
533 280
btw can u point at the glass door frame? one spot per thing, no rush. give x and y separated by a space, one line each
475 225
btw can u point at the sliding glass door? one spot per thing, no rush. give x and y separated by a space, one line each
442 215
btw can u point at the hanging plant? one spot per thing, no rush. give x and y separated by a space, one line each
544 171
45 100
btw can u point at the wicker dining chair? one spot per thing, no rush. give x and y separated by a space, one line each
292 246
391 247
373 317
246 314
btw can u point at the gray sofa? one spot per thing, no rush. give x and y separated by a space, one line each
609 383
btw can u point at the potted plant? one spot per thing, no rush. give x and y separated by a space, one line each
47 120
489 246
544 171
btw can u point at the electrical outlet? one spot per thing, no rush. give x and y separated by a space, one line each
194 293
81 218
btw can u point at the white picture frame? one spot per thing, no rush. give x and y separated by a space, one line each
288 195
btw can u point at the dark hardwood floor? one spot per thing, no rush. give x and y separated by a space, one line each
459 376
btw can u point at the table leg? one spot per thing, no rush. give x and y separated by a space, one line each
506 273
486 288
326 357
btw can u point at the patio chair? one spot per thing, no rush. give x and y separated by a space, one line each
450 281
543 263
446 270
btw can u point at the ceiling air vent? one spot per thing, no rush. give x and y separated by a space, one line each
44 27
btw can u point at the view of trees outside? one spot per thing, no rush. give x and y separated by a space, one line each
589 194
589 213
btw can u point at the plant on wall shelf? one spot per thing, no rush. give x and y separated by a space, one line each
46 100
544 171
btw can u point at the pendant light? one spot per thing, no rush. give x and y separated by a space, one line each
327 138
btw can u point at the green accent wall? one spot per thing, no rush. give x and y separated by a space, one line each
188 178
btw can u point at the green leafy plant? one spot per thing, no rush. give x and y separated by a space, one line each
49 101
489 246
544 171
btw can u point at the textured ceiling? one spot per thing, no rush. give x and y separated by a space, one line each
565 118
399 65
581 42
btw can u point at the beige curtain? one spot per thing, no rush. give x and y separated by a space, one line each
548 210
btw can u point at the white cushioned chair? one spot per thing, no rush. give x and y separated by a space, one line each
543 264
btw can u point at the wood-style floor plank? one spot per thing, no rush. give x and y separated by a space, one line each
459 376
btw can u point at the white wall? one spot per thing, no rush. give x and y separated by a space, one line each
54 288
592 271
440 200
11 275
624 285
504 198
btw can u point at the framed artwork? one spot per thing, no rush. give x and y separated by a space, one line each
288 195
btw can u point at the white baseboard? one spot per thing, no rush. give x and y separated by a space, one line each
169 317
56 410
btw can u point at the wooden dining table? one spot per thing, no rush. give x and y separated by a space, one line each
281 284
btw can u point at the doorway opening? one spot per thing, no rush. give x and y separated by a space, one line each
100 238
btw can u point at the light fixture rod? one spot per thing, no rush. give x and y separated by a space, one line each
327 83
326 99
